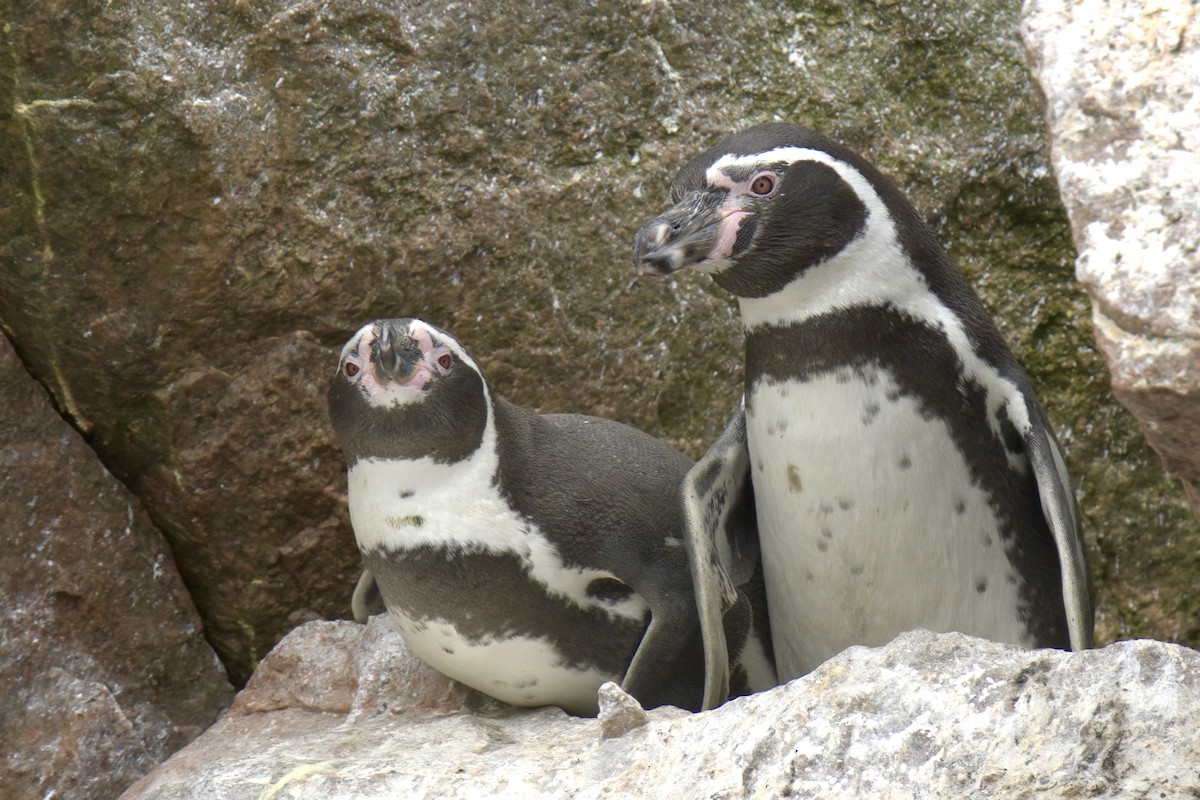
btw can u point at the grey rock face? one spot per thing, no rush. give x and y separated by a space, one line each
104 670
930 715
1123 106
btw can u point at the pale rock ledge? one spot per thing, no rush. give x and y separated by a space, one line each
344 711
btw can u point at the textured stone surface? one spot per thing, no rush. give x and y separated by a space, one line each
204 199
1122 102
1123 106
354 670
620 712
104 670
931 715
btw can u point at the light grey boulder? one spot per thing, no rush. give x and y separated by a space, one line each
1121 81
930 715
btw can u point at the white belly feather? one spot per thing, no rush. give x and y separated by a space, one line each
869 522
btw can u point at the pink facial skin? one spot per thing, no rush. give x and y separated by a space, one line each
731 222
424 372
431 354
732 212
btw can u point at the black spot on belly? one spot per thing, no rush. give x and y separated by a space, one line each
826 508
857 569
449 650
793 479
822 545
905 462
981 585
827 533
870 412
608 590
845 503
960 507
406 493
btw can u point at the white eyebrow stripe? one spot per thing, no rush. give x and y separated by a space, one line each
717 175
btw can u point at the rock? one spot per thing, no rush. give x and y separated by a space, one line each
620 712
353 670
1123 108
204 200
104 670
930 715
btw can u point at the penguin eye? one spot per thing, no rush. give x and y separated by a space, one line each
763 184
444 361
351 369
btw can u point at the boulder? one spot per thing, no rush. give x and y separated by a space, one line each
104 670
929 715
1123 108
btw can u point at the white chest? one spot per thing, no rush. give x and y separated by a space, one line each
400 505
870 523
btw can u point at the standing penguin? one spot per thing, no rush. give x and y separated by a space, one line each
532 557
902 472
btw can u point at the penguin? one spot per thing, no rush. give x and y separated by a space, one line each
532 557
889 464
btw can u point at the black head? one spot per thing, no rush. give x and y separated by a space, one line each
405 389
762 206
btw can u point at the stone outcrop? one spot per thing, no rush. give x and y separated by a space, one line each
1123 108
104 670
930 715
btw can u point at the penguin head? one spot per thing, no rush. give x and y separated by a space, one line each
406 389
761 207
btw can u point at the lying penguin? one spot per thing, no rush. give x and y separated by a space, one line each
532 557
902 472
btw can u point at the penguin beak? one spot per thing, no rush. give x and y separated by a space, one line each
682 237
395 355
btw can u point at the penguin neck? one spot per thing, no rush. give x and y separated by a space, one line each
873 270
424 475
876 272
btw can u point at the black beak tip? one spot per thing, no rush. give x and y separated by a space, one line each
660 264
650 257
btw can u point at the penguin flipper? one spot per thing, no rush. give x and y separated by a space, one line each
663 670
1062 515
366 600
721 539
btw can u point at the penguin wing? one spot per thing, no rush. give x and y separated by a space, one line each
366 600
1062 515
721 539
